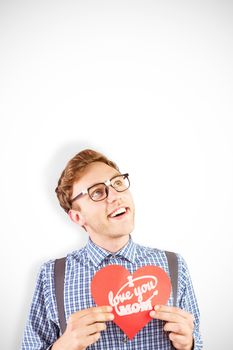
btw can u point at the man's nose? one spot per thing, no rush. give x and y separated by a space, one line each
112 194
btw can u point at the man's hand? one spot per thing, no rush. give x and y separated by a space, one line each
179 323
83 328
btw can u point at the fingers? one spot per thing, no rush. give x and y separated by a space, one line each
91 339
178 339
178 328
84 328
89 316
173 310
181 342
96 317
172 314
96 328
179 324
96 309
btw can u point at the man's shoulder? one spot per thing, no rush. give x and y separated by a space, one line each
149 254
143 249
158 254
74 255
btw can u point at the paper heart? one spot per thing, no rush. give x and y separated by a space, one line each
132 296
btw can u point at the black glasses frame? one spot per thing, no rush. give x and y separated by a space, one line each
107 183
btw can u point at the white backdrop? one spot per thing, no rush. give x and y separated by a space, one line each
149 83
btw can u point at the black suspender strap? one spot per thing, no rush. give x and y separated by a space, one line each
173 269
59 275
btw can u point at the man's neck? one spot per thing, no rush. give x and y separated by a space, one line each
112 245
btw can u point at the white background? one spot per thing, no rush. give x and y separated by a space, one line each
149 83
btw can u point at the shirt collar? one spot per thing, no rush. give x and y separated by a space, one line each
97 254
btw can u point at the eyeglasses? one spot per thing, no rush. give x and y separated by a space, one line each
100 191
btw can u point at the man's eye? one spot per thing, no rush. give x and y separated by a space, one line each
118 183
97 193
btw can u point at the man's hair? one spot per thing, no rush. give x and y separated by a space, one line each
73 172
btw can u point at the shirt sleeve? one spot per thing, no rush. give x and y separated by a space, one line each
187 301
41 330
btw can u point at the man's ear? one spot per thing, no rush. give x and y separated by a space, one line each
76 216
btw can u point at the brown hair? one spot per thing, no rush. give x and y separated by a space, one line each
73 171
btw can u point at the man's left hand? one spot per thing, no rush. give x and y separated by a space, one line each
179 323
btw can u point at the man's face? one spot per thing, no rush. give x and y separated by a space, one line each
98 217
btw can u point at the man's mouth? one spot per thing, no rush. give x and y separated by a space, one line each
118 213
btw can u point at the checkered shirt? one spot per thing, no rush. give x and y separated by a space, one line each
42 328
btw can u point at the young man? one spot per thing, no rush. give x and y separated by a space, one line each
96 196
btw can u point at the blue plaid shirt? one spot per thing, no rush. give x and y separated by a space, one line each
42 328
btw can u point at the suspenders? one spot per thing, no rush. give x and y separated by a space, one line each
173 270
59 276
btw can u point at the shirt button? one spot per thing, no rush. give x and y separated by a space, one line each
125 338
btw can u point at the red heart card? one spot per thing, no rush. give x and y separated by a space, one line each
131 296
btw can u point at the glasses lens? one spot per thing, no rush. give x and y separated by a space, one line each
98 192
120 183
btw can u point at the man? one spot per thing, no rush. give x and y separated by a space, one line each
96 196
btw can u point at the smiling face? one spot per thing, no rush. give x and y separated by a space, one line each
110 221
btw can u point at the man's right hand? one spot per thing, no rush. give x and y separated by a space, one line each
83 328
